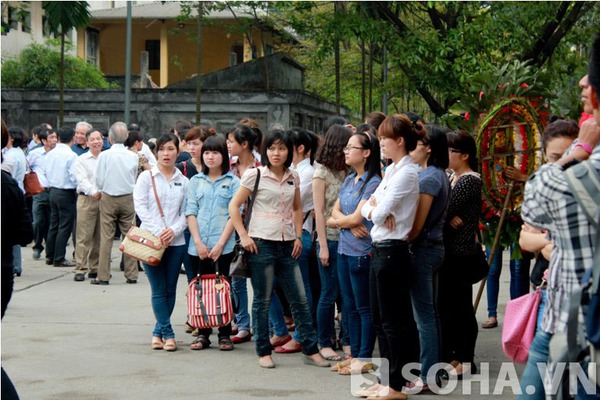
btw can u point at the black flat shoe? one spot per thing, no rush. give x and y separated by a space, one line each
131 281
96 281
79 278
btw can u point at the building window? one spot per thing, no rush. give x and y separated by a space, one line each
268 49
153 49
26 21
91 46
45 27
13 18
236 55
299 120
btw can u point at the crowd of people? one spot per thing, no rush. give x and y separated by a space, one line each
379 222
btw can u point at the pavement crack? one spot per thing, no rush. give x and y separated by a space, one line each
40 283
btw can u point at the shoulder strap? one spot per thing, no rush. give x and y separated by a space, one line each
251 200
584 182
185 168
160 210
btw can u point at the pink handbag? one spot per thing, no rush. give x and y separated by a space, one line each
520 319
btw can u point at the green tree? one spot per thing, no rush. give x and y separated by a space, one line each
38 67
63 16
437 48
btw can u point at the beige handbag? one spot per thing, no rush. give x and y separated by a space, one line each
141 244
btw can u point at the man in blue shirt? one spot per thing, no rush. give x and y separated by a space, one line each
80 146
60 175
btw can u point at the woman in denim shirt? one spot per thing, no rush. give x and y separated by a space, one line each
207 212
273 240
363 154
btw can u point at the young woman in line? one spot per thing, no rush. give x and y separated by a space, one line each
305 146
134 143
327 180
241 142
274 241
194 139
363 155
207 212
171 187
457 317
392 209
427 244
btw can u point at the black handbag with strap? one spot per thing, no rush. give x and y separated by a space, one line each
239 265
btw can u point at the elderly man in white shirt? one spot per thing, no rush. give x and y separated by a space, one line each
88 209
115 179
60 175
41 202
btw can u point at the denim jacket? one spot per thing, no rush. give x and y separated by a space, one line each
209 202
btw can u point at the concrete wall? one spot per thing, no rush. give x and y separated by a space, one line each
158 109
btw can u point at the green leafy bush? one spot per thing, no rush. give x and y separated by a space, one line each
38 67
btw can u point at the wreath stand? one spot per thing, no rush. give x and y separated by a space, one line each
508 136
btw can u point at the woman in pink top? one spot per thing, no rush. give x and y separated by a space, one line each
273 240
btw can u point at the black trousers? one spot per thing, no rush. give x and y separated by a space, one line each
457 316
208 266
391 309
63 207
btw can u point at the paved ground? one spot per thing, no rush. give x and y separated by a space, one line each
70 340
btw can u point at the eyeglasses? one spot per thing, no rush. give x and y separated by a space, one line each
347 149
454 151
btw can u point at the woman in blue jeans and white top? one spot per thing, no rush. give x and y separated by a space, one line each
363 155
242 141
392 209
274 242
171 187
427 244
207 212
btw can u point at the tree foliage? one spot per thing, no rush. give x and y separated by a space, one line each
38 67
436 49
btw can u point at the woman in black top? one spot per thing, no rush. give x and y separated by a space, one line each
459 326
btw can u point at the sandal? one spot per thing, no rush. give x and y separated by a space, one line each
200 343
188 327
357 368
225 344
170 345
157 343
340 365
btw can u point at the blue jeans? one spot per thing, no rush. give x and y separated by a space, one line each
242 316
330 289
274 258
426 261
163 282
519 279
276 317
353 275
17 259
538 353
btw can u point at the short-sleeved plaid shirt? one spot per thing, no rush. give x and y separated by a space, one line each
549 204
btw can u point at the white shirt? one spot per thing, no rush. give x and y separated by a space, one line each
85 168
14 163
397 194
172 196
37 163
305 173
60 167
148 154
117 170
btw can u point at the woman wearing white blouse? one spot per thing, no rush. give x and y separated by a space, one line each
171 187
392 209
